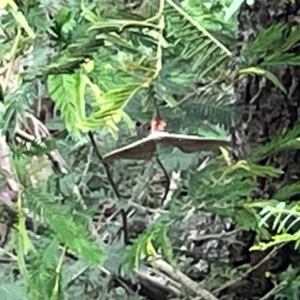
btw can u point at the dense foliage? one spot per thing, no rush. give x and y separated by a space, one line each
80 79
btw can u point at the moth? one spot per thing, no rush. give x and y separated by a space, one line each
145 149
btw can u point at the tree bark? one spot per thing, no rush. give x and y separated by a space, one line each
268 113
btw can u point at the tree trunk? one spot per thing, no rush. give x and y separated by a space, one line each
269 112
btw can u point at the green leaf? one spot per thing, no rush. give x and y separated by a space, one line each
262 72
73 234
12 291
66 91
175 160
232 9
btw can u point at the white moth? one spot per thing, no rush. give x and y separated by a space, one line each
145 148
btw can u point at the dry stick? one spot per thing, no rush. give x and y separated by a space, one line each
188 283
162 281
113 185
53 156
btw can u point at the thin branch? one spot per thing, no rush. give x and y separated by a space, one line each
105 165
274 290
244 275
167 178
113 185
76 276
187 283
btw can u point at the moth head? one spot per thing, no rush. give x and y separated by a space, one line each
158 124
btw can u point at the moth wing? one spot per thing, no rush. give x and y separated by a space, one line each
142 149
191 143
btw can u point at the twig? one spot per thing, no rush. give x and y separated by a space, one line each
168 181
188 283
76 276
53 155
244 275
274 290
217 236
160 281
174 183
113 185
